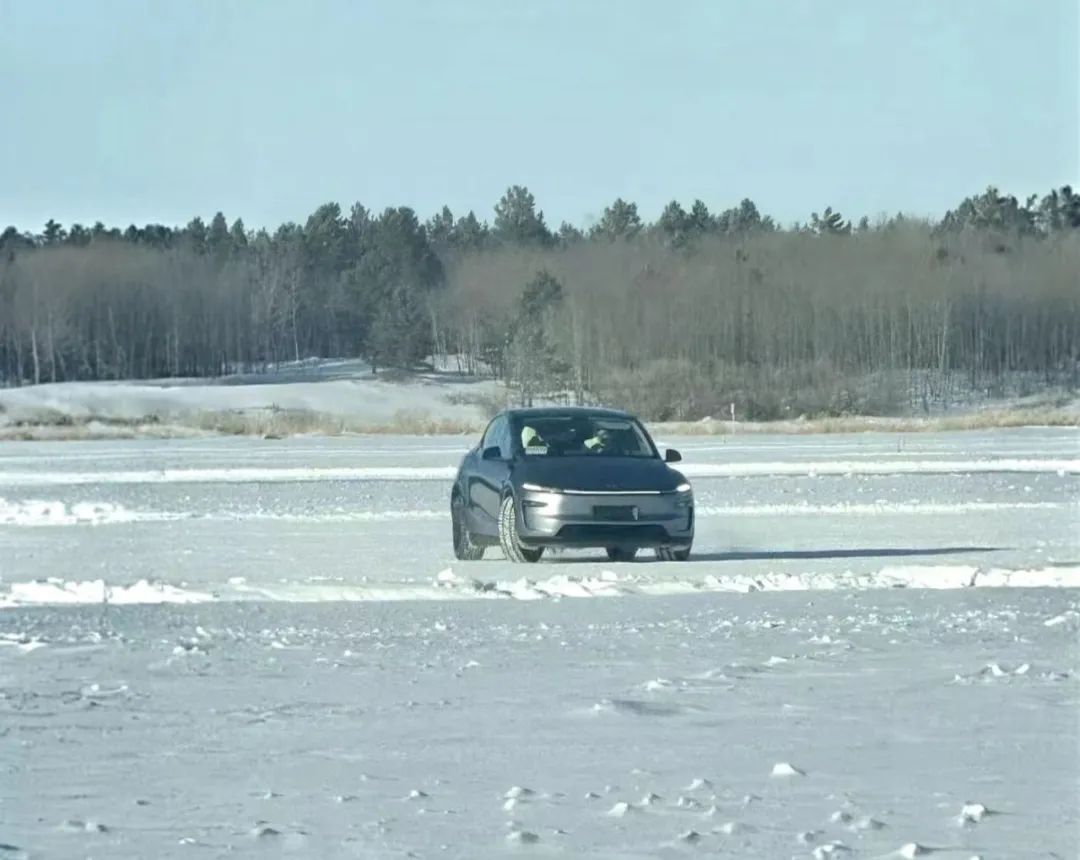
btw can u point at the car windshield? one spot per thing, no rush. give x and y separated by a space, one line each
581 436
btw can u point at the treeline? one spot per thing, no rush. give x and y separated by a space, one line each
675 318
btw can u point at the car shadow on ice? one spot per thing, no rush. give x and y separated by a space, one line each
847 552
572 557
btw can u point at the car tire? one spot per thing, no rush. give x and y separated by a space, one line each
465 549
621 553
508 535
667 553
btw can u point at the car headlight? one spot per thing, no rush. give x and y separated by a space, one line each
536 488
684 497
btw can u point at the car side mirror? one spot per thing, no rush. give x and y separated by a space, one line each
672 456
492 452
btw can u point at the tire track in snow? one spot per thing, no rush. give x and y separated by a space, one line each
43 513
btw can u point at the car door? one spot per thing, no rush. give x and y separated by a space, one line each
491 476
472 485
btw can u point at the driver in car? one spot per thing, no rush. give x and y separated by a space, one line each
531 438
600 442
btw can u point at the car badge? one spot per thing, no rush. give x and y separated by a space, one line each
635 513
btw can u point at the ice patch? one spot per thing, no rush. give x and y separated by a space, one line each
53 591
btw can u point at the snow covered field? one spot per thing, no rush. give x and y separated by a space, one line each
241 647
324 395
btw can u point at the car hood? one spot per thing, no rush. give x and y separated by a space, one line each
596 474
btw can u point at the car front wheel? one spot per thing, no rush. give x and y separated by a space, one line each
508 535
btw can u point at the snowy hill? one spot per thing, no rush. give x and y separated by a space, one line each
307 396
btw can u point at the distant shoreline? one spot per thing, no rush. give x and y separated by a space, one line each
280 424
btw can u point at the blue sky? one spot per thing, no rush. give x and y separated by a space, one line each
163 109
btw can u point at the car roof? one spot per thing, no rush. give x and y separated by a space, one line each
565 412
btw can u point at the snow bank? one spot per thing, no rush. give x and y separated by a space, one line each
905 576
448 585
56 513
610 584
268 474
53 591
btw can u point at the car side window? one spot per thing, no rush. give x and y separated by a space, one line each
504 441
496 437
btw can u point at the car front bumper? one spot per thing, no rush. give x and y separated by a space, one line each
581 519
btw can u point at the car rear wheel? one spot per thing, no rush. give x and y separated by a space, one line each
667 553
508 535
621 553
464 547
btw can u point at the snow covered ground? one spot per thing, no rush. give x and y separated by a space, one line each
339 390
241 647
637 727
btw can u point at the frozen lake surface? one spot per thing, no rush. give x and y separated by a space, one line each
326 681
367 518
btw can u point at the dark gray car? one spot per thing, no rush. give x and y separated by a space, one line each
570 477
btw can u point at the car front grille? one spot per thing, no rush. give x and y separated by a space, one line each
614 533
